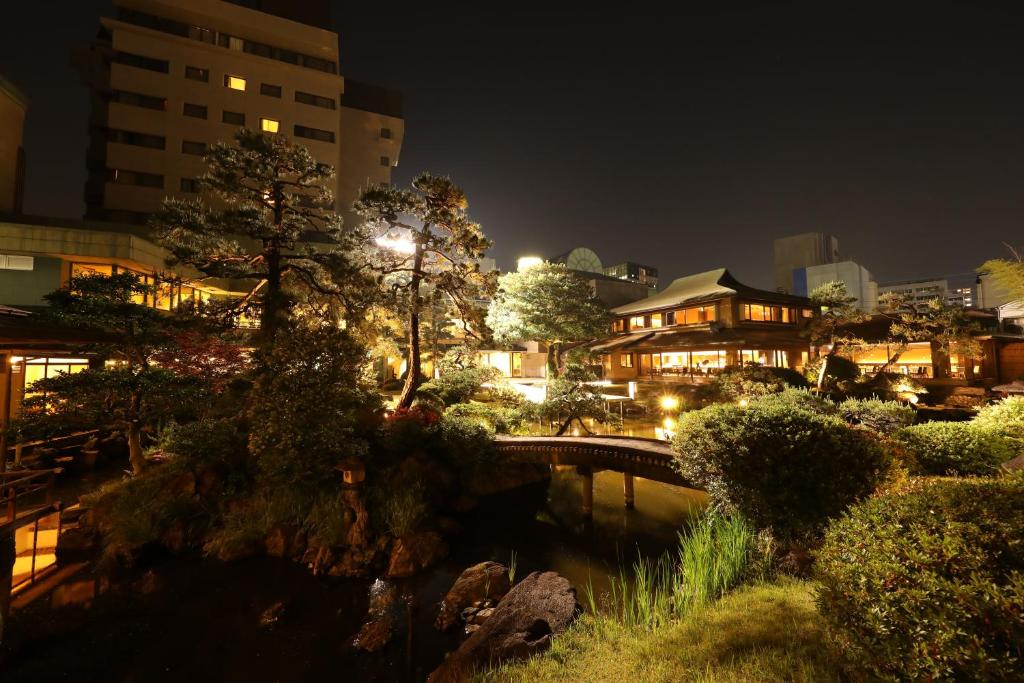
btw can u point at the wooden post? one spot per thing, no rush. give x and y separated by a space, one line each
627 490
588 491
7 557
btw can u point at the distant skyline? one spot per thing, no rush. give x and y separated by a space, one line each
685 144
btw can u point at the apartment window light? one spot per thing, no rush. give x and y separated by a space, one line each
269 125
234 82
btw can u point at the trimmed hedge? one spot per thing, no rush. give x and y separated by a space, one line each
929 585
780 465
884 417
1005 417
955 448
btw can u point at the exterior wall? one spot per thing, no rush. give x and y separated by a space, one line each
801 251
1011 362
921 291
614 293
28 287
13 106
108 198
362 151
859 282
991 294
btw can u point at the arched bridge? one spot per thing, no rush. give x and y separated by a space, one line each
647 458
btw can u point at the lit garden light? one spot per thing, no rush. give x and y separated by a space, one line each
527 262
669 402
743 402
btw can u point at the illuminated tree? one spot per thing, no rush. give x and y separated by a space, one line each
832 327
427 252
546 303
272 227
1008 273
129 392
571 397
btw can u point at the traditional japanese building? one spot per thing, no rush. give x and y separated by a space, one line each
703 323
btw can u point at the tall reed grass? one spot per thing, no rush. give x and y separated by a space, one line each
714 555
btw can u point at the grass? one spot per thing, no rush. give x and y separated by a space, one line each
764 633
713 556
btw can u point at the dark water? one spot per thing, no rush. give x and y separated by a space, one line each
200 621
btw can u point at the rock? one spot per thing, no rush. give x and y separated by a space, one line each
538 607
77 544
380 627
479 583
1013 465
416 552
466 614
472 628
175 538
354 562
318 558
285 541
482 616
273 614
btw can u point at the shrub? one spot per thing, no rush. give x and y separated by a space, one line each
206 440
955 447
929 585
735 383
780 466
458 386
840 369
466 444
399 509
798 399
498 419
1007 418
884 417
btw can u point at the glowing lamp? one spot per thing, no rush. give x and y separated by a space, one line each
527 262
669 424
669 402
743 403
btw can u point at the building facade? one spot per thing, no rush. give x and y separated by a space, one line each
921 291
13 106
858 280
168 78
634 272
796 252
702 324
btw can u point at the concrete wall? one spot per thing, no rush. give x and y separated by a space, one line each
13 105
859 282
801 251
362 151
27 287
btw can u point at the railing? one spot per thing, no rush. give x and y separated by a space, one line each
18 486
33 518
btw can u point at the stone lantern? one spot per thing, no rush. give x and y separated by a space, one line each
353 470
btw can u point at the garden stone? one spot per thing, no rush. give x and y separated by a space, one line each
537 608
416 552
476 585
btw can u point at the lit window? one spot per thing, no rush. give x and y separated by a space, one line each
637 322
234 82
626 360
269 125
656 320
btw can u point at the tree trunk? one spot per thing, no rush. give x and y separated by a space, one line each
273 305
412 378
823 371
135 456
554 360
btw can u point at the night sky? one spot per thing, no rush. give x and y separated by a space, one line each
685 143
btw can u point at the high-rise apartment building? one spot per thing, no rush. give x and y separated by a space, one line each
13 105
796 252
921 291
170 77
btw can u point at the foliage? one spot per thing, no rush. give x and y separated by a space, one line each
712 557
766 633
1005 417
309 409
213 358
783 467
839 370
458 386
929 585
734 383
466 444
274 193
1007 273
947 326
884 417
499 419
798 399
427 243
546 303
571 397
206 441
400 508
833 328
956 447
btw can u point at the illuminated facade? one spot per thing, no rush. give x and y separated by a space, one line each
168 78
702 324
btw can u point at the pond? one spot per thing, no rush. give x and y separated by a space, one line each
200 620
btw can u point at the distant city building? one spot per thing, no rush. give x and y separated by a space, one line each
634 272
13 105
920 291
798 252
168 78
858 280
991 294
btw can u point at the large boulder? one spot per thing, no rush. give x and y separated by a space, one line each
481 582
416 552
537 608
381 618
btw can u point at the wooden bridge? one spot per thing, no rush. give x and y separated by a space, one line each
633 456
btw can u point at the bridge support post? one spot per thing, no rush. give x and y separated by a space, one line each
587 475
627 491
